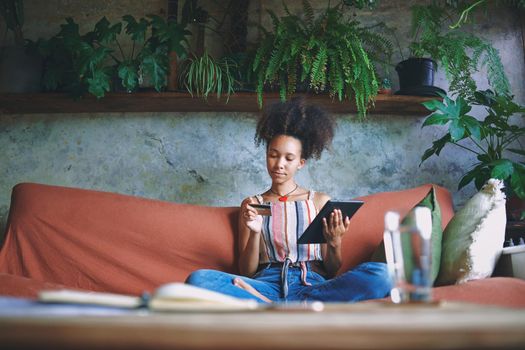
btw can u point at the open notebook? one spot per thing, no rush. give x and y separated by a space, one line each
168 297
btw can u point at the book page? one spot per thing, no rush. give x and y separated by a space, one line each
181 296
86 297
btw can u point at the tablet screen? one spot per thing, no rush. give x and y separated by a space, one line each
314 232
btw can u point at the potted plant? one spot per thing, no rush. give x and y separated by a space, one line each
204 75
94 61
326 53
460 54
386 87
20 66
493 139
167 42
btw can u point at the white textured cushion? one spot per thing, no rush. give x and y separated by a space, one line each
473 239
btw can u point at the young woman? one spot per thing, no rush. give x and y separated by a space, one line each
273 266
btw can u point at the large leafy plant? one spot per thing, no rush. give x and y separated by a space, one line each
459 53
493 139
326 53
89 62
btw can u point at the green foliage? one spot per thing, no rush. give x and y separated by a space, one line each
386 83
327 53
492 139
460 54
471 6
204 75
90 62
371 4
13 13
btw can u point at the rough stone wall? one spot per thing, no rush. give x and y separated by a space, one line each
210 158
207 158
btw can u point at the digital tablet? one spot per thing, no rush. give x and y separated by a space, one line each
314 232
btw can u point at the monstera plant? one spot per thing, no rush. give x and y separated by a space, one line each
89 62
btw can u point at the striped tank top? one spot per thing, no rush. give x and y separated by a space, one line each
283 228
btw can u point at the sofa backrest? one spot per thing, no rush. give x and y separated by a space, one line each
111 242
124 244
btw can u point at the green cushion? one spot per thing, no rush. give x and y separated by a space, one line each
473 239
430 201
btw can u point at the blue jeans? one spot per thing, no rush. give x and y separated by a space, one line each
369 280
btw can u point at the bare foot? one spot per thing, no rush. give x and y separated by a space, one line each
241 284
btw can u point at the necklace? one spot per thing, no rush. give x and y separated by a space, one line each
284 197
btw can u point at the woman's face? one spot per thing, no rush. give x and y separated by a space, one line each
283 158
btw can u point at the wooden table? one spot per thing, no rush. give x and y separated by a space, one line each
359 326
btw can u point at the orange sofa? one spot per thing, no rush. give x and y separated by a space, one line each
91 240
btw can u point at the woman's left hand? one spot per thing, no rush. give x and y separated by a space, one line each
335 227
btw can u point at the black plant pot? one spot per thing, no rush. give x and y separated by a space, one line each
20 71
118 87
416 77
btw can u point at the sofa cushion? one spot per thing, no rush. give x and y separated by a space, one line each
430 201
500 291
367 225
111 242
19 286
473 240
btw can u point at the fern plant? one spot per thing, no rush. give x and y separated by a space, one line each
460 54
328 53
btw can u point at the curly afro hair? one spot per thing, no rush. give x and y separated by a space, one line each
307 123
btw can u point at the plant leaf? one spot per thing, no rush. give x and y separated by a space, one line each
457 131
436 119
503 168
105 32
517 181
436 148
99 83
137 30
128 73
469 176
517 151
156 66
472 125
432 105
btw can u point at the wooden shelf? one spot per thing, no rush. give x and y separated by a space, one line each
183 102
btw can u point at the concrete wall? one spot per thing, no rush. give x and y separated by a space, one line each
210 158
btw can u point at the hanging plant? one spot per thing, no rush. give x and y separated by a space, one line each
327 53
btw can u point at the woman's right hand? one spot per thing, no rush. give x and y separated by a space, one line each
250 217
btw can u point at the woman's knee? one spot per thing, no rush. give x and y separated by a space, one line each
377 277
200 277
